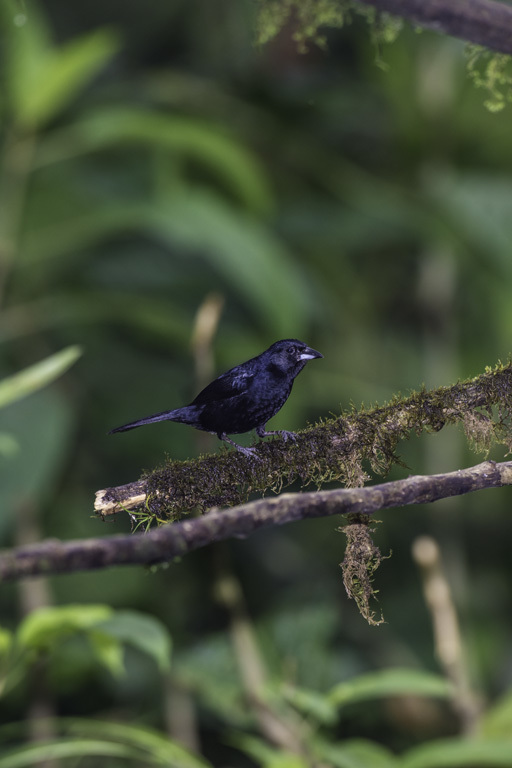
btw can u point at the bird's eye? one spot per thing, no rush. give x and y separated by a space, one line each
292 351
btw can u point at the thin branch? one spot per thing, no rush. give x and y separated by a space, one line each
280 725
174 540
484 22
448 638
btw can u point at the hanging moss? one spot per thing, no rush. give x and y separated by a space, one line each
339 449
362 558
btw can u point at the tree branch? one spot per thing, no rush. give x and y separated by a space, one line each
174 540
333 450
484 22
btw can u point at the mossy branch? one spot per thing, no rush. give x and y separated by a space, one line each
485 22
169 541
335 450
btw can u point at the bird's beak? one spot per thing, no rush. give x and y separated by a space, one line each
309 354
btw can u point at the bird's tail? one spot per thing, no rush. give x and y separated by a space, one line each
176 415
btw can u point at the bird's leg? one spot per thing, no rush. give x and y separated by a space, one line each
262 432
246 451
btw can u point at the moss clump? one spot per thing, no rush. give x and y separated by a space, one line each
336 449
492 72
306 17
362 558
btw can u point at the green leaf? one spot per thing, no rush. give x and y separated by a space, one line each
356 753
37 376
156 746
241 249
460 753
56 241
233 164
5 642
9 446
108 650
263 755
479 206
209 669
46 627
246 254
136 310
42 426
34 754
311 703
68 70
27 50
286 760
143 632
42 78
390 682
496 722
6 665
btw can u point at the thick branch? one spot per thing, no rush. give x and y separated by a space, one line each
173 540
484 22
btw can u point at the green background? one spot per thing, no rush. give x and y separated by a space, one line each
154 160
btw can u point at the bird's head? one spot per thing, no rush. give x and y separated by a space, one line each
289 356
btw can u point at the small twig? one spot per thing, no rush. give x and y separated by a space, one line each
280 726
176 539
484 22
447 635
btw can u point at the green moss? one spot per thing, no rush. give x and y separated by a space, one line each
492 72
307 20
340 449
305 17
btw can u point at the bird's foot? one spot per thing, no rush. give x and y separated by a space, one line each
261 432
250 452
287 435
246 451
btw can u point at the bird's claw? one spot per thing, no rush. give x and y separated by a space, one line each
280 432
249 452
288 435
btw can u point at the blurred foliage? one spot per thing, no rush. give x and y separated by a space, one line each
85 740
151 155
15 387
42 633
31 379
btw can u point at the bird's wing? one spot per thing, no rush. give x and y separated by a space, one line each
230 384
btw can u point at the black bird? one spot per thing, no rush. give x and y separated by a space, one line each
243 398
